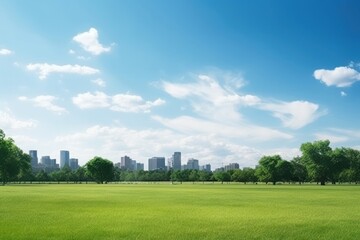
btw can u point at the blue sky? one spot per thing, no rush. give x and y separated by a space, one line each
220 81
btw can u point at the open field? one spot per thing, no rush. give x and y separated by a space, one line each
187 211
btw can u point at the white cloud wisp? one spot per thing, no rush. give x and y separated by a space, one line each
5 52
46 102
44 69
90 43
119 102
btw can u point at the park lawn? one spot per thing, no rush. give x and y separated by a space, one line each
180 211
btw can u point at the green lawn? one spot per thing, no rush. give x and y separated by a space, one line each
187 211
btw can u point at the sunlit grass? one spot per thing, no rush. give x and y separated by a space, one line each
187 211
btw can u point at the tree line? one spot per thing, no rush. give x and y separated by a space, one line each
319 163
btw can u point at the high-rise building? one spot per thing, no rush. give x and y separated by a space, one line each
73 163
34 158
139 166
231 166
175 161
206 167
64 158
45 161
157 163
126 163
193 164
53 163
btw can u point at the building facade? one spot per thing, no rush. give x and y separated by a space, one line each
157 163
64 158
176 161
193 164
34 158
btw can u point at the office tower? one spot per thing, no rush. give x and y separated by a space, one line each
193 164
231 166
45 161
34 158
206 167
175 161
139 166
74 163
126 163
157 163
64 158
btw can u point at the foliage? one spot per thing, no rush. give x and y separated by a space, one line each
102 170
13 161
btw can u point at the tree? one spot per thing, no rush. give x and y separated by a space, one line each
12 159
316 157
222 176
204 175
284 171
338 163
194 175
299 170
269 169
102 170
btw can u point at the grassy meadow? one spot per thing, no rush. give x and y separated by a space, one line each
187 211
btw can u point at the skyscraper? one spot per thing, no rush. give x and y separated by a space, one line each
193 164
157 163
126 163
176 161
34 158
64 158
74 163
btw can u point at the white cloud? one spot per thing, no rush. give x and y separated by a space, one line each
88 100
7 120
209 99
190 125
337 135
5 51
118 102
331 137
343 94
90 43
296 114
222 103
99 82
46 102
71 52
339 76
44 69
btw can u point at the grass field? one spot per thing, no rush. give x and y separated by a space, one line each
187 211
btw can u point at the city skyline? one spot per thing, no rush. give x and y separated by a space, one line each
219 81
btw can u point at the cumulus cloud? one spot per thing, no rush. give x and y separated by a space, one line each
220 103
118 102
296 114
46 102
7 120
99 82
44 69
5 51
339 76
90 43
88 100
209 99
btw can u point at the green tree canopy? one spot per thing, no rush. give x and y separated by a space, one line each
316 157
12 159
102 170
